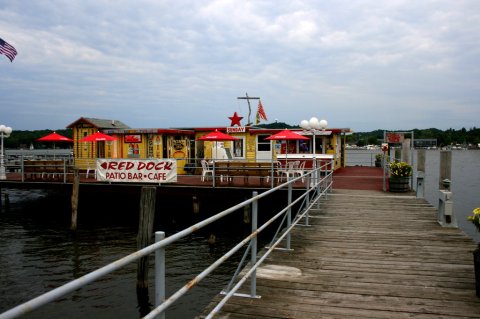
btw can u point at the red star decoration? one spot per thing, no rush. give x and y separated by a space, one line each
235 119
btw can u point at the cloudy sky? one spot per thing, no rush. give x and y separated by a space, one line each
365 64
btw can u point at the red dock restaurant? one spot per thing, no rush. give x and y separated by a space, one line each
185 148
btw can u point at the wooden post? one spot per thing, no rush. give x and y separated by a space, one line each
445 167
421 160
7 202
144 238
75 193
406 151
195 205
420 174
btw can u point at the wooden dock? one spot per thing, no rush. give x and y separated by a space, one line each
367 254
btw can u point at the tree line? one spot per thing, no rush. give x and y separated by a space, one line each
470 137
444 138
23 139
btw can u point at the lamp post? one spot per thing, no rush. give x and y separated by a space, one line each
4 132
314 125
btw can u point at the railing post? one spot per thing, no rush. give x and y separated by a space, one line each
213 174
253 249
273 175
159 273
289 214
321 181
307 202
64 170
331 176
22 168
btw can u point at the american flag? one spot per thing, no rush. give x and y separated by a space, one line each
8 50
261 111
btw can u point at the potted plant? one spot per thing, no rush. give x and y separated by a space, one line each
475 220
378 160
400 173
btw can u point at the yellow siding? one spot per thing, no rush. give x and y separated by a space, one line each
251 141
151 146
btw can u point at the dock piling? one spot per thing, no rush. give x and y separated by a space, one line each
145 231
75 194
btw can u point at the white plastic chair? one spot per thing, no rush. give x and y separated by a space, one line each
290 169
300 171
206 170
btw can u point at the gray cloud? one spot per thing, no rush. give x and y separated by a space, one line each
359 64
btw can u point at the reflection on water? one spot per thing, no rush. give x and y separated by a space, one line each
38 253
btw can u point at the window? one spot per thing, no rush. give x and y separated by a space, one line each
239 148
263 145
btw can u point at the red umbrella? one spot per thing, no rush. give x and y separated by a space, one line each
54 137
98 137
216 136
286 135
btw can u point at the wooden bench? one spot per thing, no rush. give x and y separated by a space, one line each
43 169
229 170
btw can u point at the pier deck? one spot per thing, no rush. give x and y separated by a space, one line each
352 177
367 254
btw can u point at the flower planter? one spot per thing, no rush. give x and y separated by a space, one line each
476 264
399 184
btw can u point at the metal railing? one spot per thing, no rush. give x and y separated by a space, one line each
319 183
61 170
362 157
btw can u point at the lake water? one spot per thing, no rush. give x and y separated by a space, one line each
38 253
465 185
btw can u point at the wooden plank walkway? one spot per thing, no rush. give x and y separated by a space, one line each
368 254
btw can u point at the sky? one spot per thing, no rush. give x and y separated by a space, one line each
363 64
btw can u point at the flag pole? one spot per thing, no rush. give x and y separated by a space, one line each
248 98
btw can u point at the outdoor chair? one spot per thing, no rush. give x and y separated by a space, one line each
300 171
289 169
206 170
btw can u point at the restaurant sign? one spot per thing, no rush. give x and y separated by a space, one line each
394 138
137 170
239 129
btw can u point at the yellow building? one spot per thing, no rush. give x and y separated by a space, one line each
182 144
129 143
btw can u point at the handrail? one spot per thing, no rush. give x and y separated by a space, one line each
319 186
62 170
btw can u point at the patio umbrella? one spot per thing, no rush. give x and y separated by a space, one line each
98 137
54 137
286 135
216 136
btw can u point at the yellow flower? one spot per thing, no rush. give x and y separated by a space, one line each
400 169
475 218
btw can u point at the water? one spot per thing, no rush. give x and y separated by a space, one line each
465 185
38 253
465 181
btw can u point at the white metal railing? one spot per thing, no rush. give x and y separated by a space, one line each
319 184
61 170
